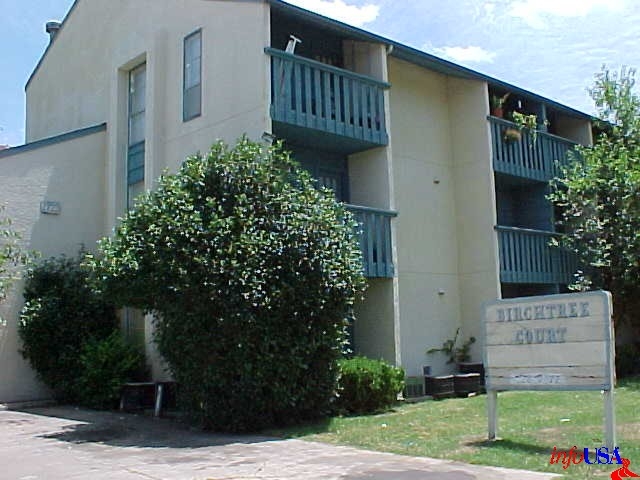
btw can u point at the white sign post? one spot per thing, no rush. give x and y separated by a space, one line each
553 342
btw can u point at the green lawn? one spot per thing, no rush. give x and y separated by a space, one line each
530 425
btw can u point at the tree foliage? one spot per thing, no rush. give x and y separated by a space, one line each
598 195
11 255
252 273
62 313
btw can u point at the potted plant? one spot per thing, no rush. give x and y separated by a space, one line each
463 383
439 387
456 354
497 104
512 135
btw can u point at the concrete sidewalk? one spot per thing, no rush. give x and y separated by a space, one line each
66 443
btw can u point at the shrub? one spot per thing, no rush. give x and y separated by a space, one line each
627 360
11 254
107 364
367 385
62 312
252 273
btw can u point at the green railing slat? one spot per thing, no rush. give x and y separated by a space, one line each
527 257
314 95
525 158
375 240
308 95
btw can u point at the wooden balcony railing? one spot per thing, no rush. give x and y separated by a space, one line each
527 257
311 94
375 240
536 160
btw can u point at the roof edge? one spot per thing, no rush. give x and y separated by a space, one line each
423 59
46 50
46 142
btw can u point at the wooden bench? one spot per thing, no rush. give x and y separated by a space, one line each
144 394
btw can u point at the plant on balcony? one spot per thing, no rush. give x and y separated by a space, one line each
252 273
512 135
528 122
497 104
456 354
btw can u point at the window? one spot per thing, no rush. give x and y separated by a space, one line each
192 91
136 114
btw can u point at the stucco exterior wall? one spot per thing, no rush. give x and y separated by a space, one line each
475 199
371 184
576 129
374 329
83 79
72 173
426 235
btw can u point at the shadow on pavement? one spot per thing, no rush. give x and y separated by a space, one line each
129 430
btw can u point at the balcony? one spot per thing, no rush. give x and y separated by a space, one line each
527 257
375 240
326 106
526 158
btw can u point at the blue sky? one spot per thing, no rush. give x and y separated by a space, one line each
552 47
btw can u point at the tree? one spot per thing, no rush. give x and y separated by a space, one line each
598 195
11 255
252 273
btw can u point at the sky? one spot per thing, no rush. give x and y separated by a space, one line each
551 47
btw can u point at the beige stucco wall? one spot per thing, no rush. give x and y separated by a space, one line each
371 184
374 328
426 227
478 258
83 79
72 173
576 129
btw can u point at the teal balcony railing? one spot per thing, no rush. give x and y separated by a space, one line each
536 160
527 257
375 240
310 94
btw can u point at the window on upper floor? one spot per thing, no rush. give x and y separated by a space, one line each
136 136
192 89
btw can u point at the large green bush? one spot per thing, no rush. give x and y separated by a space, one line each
62 312
107 364
252 273
367 385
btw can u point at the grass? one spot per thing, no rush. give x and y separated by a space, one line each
530 425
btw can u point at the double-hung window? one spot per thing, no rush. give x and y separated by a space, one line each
192 89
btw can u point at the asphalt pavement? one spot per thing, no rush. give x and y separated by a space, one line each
65 443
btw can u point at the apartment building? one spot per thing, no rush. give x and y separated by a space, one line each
453 211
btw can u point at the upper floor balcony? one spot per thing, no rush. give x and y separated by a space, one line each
374 233
326 105
526 256
527 157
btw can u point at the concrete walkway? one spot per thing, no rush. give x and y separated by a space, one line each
69 444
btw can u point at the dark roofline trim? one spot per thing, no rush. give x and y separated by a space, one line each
46 142
62 24
401 51
420 58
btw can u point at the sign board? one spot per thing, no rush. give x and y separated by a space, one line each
553 342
